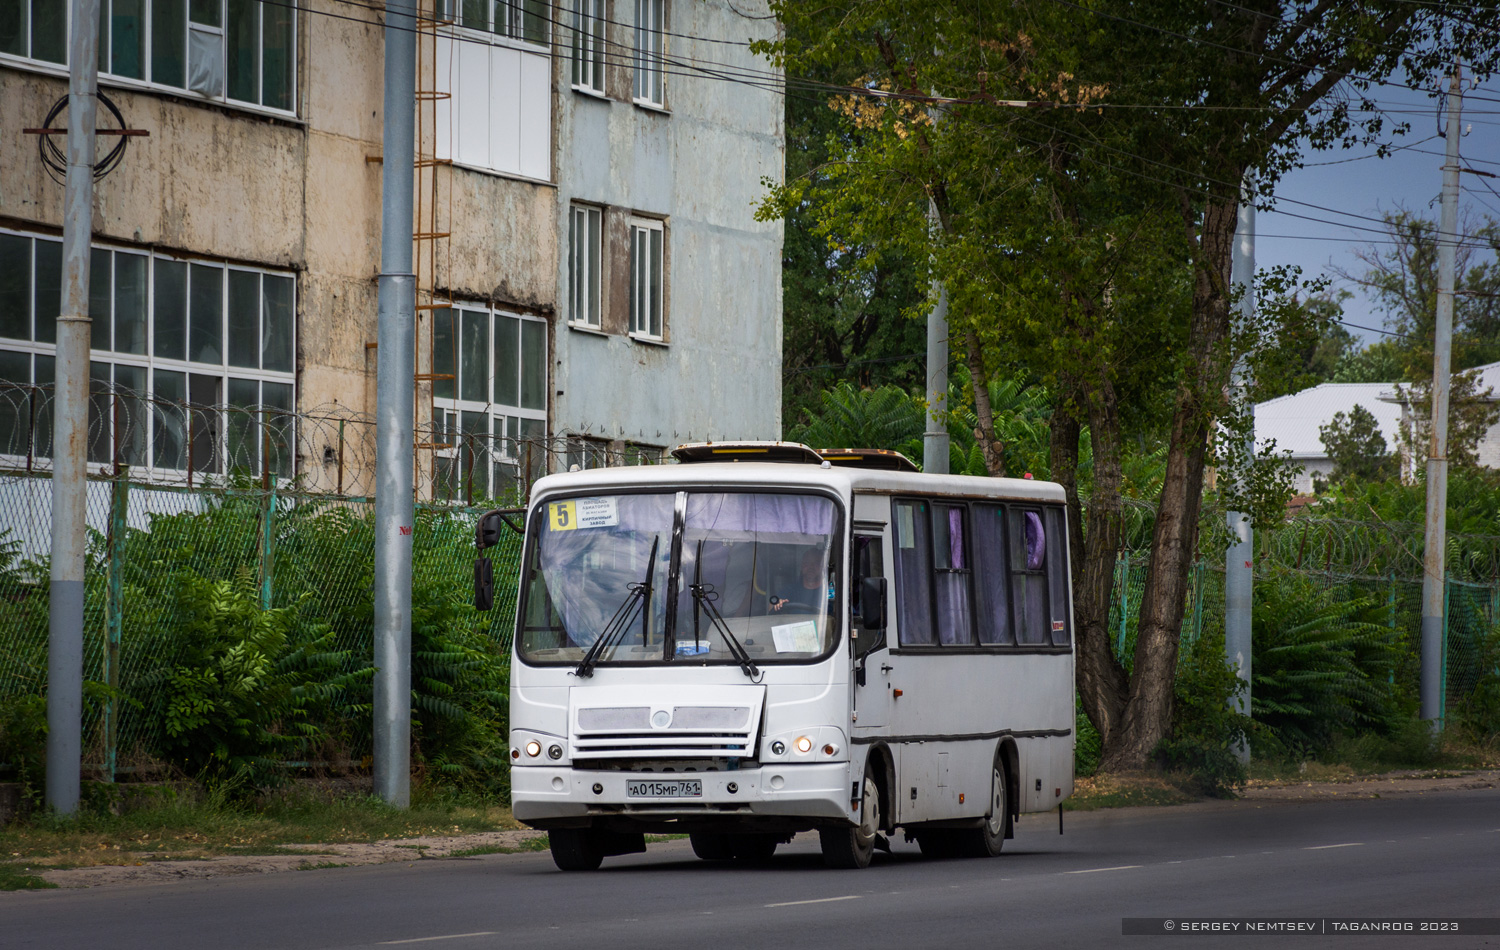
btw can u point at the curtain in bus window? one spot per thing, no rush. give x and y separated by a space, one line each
913 573
991 579
1028 582
951 578
1057 578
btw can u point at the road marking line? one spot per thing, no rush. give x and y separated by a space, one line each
481 933
820 900
1123 867
1325 847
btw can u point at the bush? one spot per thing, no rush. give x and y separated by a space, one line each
1323 664
1206 733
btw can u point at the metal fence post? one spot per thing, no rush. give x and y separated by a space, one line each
1442 697
267 542
114 614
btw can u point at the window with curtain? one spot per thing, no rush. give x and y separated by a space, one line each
234 50
1028 576
913 556
991 576
951 575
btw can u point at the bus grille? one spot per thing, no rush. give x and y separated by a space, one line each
691 732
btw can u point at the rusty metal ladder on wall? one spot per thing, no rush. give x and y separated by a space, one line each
432 242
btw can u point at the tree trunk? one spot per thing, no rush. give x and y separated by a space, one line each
989 446
1148 712
1102 685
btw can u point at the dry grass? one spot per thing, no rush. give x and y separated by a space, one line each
1127 790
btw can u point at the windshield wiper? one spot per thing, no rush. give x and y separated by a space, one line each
703 602
640 595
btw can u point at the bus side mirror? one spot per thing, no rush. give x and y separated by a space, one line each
484 584
487 530
872 603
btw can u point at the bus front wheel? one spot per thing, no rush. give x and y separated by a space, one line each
852 846
575 849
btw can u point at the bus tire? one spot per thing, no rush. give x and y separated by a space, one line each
987 840
753 849
852 846
711 846
574 849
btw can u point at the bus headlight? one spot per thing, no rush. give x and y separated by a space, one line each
803 744
533 748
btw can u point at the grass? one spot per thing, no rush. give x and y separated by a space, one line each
170 829
1093 792
539 843
14 877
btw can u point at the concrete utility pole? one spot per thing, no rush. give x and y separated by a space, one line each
1239 575
70 432
935 438
394 382
1433 561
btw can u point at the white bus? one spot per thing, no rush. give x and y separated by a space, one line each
765 640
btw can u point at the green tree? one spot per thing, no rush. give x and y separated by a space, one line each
1091 244
1356 447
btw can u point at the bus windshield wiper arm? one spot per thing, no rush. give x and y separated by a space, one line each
640 593
703 600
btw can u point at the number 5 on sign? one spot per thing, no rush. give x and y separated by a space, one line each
562 515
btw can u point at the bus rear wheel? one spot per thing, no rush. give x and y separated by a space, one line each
987 840
574 849
852 846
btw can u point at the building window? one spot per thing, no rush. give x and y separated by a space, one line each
584 253
489 401
646 239
497 114
649 49
588 44
192 366
239 50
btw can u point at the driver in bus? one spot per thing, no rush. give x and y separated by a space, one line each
814 592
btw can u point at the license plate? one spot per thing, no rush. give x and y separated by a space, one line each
676 788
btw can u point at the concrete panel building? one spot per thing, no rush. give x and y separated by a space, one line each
594 285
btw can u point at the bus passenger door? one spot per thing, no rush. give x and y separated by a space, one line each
871 653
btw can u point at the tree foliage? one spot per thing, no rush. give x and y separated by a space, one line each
1356 447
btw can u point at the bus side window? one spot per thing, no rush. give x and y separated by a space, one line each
1028 575
955 622
1057 578
991 578
913 573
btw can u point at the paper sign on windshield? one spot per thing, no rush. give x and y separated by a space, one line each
583 513
796 637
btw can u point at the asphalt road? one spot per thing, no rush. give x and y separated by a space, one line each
1431 855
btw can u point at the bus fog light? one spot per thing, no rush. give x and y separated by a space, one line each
554 751
778 747
732 787
803 744
598 789
533 748
558 783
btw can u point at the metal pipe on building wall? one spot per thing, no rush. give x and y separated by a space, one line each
1434 565
71 424
1239 573
394 384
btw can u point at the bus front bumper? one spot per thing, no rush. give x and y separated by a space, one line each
540 793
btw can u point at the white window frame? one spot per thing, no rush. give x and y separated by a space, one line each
504 21
648 316
189 28
150 364
505 426
585 266
649 83
588 46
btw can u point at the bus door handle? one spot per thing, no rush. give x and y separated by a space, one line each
886 667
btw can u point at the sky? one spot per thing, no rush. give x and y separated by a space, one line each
1359 183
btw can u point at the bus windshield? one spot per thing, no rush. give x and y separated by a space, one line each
759 565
